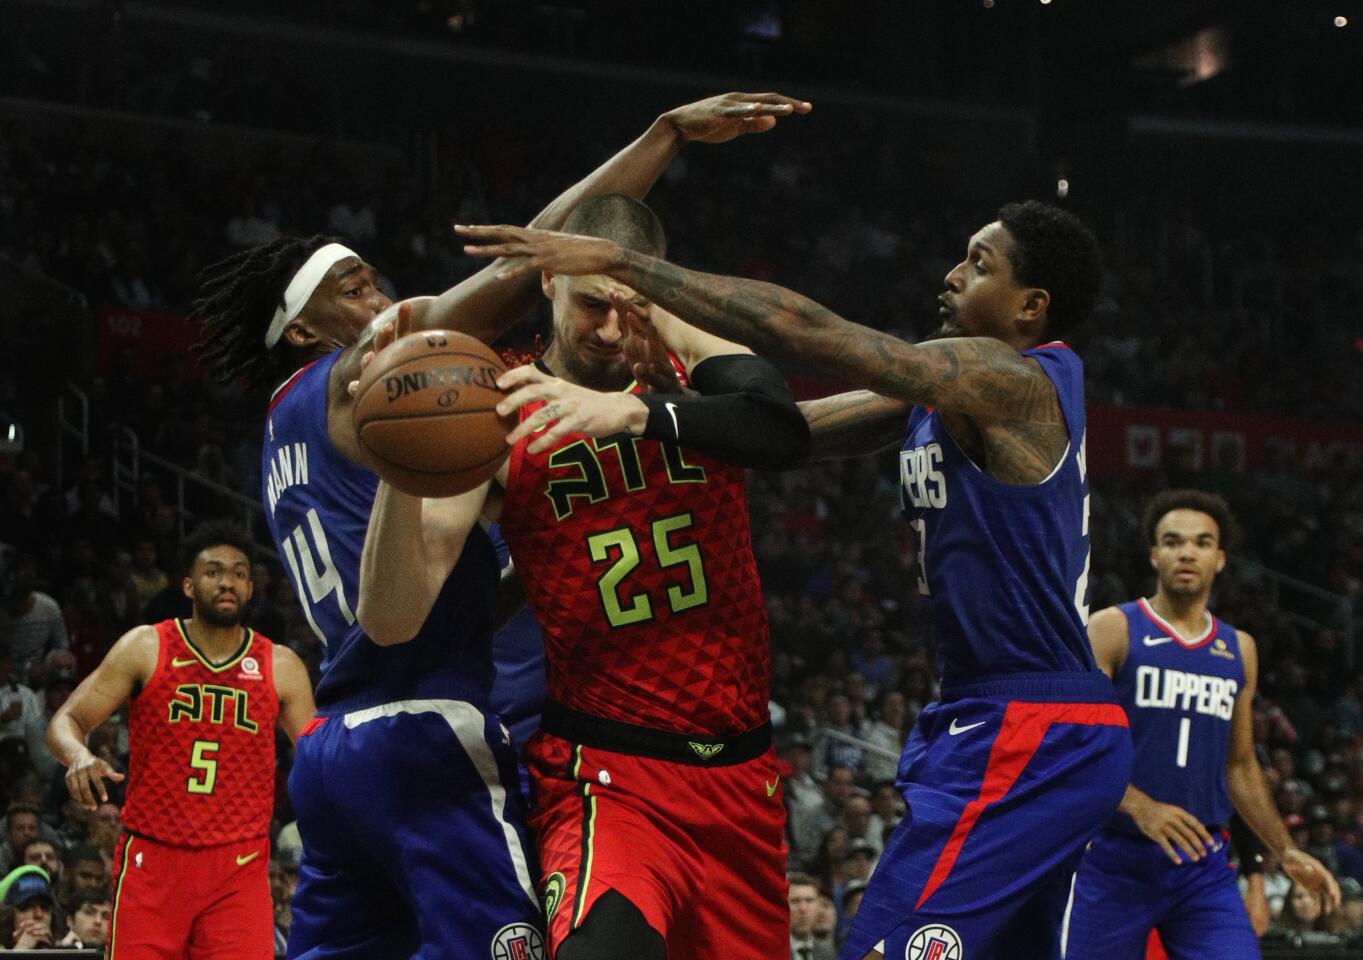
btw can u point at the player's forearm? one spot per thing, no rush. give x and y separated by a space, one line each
1250 797
743 413
66 738
633 171
396 590
784 325
853 424
486 307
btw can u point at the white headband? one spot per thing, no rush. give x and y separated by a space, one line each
301 287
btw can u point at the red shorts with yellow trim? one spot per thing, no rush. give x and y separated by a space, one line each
1003 795
700 850
167 898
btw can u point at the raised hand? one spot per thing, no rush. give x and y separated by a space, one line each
1313 875
568 408
645 351
560 253
721 118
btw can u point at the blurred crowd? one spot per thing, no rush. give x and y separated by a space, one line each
1229 314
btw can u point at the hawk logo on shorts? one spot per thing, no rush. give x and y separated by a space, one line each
706 751
518 941
934 942
553 894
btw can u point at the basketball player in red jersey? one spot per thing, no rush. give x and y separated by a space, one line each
191 866
657 805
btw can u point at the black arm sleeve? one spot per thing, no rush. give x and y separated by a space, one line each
745 415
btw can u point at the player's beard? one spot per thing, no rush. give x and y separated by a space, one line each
207 611
597 372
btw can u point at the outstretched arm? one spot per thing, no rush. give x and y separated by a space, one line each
484 307
981 378
854 424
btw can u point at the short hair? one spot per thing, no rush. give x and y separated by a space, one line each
801 880
236 303
23 851
21 807
614 216
1188 499
1053 250
215 533
95 895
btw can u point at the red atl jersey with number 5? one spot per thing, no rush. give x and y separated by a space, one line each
201 765
638 562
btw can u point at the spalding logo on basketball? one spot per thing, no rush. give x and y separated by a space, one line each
934 942
518 941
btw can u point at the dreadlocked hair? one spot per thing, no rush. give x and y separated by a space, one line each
236 303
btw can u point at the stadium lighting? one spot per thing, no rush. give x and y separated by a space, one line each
989 4
1341 21
1062 188
1045 3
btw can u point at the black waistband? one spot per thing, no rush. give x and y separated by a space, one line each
694 749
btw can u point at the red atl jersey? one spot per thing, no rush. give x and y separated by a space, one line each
201 768
638 563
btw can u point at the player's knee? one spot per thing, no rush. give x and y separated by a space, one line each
614 929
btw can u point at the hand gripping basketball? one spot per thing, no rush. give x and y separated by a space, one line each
425 410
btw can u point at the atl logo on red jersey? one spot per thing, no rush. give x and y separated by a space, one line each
197 702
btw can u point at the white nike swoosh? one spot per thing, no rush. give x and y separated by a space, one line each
969 726
672 409
1156 641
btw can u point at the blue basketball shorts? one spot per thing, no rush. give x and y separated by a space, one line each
1127 886
1002 796
414 840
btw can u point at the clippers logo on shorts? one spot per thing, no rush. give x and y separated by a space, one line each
935 942
518 941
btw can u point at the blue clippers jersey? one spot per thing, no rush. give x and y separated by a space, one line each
1179 696
1003 568
317 504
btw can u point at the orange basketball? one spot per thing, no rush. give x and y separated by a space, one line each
425 412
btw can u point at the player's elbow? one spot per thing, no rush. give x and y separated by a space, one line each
384 624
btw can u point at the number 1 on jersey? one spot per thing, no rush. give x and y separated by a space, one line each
1184 729
920 527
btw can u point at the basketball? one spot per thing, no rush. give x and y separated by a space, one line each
425 413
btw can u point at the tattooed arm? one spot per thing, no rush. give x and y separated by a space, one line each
998 405
981 378
854 424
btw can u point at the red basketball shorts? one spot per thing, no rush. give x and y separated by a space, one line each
167 898
699 848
